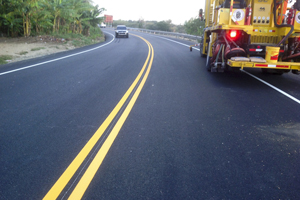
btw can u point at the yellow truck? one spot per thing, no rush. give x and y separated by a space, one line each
251 34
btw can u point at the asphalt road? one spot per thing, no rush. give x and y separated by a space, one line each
190 134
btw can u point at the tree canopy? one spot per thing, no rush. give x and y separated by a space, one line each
165 25
194 26
27 17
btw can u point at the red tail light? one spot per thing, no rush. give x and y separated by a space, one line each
233 34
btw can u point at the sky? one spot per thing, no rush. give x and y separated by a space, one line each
154 10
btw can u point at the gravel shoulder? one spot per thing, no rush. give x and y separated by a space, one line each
23 48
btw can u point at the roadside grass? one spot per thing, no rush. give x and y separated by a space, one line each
23 52
37 48
4 58
79 40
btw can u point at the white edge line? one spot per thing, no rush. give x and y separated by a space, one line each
268 84
177 42
49 61
275 88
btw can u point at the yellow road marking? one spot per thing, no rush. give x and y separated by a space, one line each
86 179
60 184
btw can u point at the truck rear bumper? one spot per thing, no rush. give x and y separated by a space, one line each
278 65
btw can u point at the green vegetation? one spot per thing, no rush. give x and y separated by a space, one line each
162 26
68 18
194 26
152 25
23 52
36 17
3 59
79 40
37 48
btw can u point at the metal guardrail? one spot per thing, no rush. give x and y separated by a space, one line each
177 35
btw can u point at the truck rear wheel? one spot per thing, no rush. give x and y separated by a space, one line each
201 48
208 64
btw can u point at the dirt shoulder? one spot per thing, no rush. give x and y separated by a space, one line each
21 48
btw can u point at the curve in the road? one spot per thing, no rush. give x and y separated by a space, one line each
87 177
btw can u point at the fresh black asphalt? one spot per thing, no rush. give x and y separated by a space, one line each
191 134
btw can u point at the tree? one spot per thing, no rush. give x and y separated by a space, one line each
164 25
92 18
78 8
57 8
93 15
194 26
12 22
41 19
152 25
141 23
21 17
180 29
27 8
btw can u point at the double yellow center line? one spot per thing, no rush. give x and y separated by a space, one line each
87 177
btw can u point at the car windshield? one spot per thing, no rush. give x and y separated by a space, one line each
121 28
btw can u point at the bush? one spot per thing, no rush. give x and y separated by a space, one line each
192 26
4 58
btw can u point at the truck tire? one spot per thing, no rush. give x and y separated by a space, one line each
116 35
208 65
201 48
